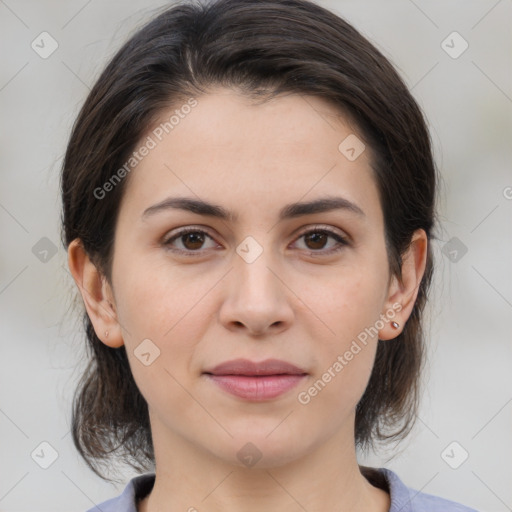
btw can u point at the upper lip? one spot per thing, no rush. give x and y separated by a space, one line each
247 367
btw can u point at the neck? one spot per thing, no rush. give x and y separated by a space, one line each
326 478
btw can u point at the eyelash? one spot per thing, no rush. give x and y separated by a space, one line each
342 242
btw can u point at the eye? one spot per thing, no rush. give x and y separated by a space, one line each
317 239
191 240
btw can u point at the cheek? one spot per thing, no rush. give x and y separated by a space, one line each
334 394
171 310
346 355
350 305
349 300
154 300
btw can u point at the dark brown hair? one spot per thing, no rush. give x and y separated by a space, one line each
262 48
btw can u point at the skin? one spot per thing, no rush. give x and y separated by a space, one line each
287 304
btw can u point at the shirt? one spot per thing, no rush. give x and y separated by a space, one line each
403 499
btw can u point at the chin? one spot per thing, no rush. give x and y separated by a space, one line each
256 448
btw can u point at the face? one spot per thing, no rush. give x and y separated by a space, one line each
267 280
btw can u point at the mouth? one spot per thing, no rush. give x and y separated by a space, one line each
256 381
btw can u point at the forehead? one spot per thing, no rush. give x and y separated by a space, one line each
234 150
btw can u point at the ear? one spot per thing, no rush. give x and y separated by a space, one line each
402 293
96 294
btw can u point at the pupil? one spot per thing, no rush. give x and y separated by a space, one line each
195 238
315 238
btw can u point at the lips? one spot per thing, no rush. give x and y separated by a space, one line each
254 381
251 368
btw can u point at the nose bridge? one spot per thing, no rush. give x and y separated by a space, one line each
256 297
253 276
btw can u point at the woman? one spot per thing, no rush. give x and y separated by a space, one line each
248 204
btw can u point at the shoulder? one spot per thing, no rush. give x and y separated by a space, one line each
403 498
406 499
137 488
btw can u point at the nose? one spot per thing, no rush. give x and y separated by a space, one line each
257 299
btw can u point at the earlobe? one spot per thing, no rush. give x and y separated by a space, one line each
403 292
96 294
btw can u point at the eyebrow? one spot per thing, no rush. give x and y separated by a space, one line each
289 211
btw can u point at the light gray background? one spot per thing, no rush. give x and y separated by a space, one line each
468 101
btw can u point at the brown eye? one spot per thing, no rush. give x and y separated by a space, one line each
188 241
317 241
193 240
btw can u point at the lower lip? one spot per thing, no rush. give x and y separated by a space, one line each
256 388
